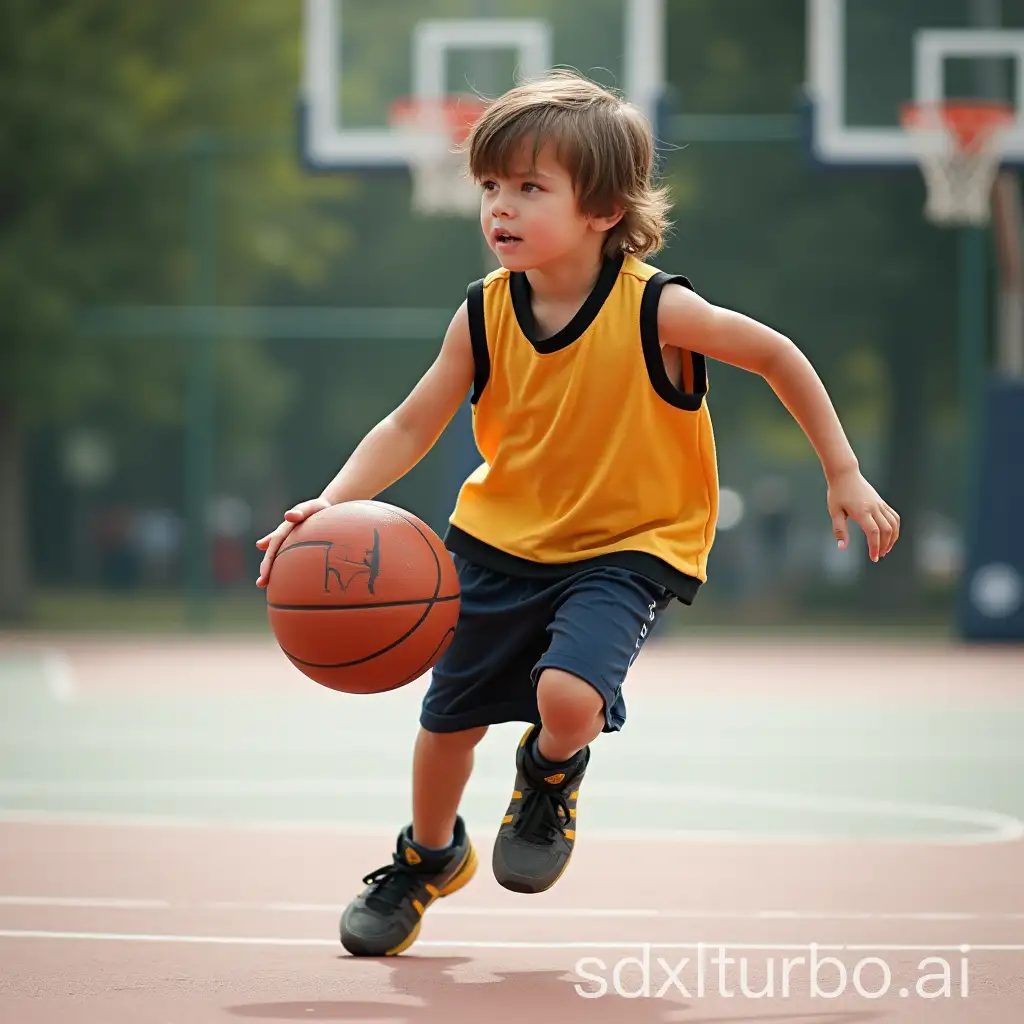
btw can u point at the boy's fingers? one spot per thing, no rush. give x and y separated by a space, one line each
282 530
873 532
305 510
894 522
264 542
888 530
271 543
268 560
839 529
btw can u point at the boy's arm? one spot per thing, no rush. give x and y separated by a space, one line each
402 438
397 442
685 320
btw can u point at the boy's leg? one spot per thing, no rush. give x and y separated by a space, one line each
572 712
600 624
483 678
434 856
442 763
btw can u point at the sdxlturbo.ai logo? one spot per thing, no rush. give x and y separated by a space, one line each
712 971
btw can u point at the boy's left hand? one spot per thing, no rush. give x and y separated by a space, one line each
851 495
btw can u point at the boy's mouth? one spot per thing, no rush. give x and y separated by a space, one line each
500 237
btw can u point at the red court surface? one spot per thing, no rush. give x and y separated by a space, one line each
157 924
761 664
128 919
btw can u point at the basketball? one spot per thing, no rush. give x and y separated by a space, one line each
363 597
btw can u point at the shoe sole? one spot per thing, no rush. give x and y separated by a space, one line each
463 875
530 886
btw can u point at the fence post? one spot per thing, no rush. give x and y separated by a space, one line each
200 429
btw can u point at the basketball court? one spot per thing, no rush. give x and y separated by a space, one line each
182 824
786 831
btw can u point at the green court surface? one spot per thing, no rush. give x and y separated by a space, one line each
757 768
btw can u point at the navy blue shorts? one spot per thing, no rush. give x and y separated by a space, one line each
510 629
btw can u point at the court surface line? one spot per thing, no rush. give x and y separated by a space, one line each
61 682
254 940
90 902
993 826
1010 830
148 739
542 913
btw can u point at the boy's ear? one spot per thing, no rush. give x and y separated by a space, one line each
606 223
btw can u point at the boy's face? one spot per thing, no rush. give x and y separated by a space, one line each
530 218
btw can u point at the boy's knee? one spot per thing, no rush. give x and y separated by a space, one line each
566 702
464 739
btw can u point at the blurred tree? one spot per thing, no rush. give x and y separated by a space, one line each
101 103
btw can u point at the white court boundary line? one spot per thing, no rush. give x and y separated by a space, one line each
543 913
58 683
91 903
255 940
16 736
377 830
1011 830
61 683
990 827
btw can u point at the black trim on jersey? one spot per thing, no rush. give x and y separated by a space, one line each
681 585
478 338
652 349
519 287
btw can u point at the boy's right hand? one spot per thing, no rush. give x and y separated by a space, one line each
271 544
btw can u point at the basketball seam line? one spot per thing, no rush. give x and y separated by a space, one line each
356 607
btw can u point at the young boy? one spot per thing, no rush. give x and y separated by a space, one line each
597 500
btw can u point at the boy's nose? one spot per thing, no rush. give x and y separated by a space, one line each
501 207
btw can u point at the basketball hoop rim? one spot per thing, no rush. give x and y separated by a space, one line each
454 114
966 121
434 133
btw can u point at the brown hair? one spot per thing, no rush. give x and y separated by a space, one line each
602 141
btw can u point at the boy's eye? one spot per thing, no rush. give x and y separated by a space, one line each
528 186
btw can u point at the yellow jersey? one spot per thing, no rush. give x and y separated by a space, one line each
592 454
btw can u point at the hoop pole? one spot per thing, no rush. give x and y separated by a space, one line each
971 257
200 392
1006 203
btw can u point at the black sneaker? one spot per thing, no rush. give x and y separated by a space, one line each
538 833
385 918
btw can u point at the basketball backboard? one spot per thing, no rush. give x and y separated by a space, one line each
866 59
362 56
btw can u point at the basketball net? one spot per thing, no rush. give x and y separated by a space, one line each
958 148
435 129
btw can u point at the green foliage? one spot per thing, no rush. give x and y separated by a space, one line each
103 105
